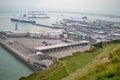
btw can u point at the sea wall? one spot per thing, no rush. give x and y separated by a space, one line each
18 56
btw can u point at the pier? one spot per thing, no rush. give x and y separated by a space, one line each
17 55
37 24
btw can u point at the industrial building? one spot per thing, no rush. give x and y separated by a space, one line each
43 33
62 46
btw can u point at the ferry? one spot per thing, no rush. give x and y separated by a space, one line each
37 14
72 20
23 19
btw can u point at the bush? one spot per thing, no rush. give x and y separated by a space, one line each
98 45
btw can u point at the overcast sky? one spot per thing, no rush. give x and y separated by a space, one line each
109 6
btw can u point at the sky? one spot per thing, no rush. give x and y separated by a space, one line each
104 6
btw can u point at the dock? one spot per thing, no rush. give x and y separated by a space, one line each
53 27
17 55
34 23
25 54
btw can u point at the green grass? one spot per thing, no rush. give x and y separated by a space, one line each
66 66
103 70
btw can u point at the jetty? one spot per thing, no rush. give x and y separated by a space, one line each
17 54
23 20
34 61
48 26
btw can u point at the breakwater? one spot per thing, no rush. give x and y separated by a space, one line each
18 56
53 27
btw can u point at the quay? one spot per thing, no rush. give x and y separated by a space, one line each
38 49
52 27
26 50
34 23
17 55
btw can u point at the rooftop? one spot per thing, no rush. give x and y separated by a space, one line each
41 30
59 45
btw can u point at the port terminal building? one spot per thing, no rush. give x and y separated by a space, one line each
43 33
59 47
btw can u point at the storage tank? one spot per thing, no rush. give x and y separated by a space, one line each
16 34
45 35
32 34
65 35
37 34
52 35
57 35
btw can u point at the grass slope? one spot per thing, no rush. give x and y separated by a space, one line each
103 70
66 66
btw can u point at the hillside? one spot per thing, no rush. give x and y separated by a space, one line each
74 65
107 67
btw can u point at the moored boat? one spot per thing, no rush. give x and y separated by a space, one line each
23 20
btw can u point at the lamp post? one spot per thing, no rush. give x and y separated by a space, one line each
16 26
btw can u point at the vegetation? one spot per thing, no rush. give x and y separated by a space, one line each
69 65
103 69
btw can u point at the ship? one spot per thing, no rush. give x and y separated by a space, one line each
23 19
72 20
37 14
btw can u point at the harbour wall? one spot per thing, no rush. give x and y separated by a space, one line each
19 57
37 24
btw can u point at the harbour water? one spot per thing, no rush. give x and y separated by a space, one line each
10 67
6 24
